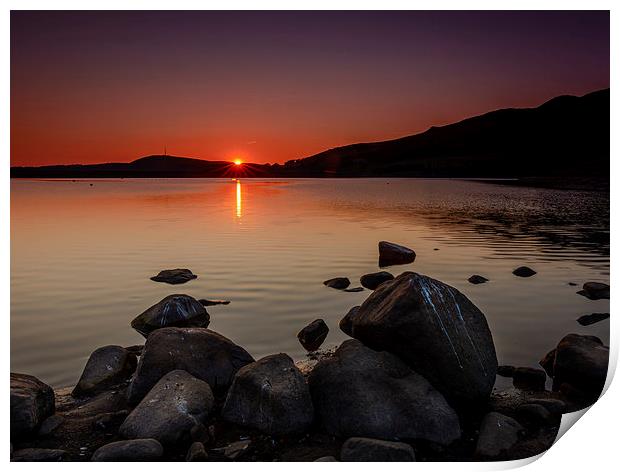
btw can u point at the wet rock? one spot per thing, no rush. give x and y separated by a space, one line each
106 421
524 271
338 283
394 254
326 459
39 455
477 279
32 401
270 395
527 378
354 289
312 336
375 450
205 354
364 393
535 415
169 411
50 424
498 433
136 349
346 323
112 401
206 302
174 276
372 281
436 330
196 453
553 406
174 310
580 361
106 367
505 370
132 450
587 320
595 291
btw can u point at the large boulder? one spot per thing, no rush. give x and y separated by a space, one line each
579 361
394 254
203 353
106 367
361 392
312 336
436 330
31 402
498 434
375 450
346 323
176 404
174 276
372 281
132 450
270 395
174 310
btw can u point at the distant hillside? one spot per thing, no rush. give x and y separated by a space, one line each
565 137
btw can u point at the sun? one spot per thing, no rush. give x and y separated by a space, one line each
238 162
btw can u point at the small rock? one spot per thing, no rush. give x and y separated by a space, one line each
535 415
505 370
106 367
326 459
133 450
572 284
237 449
312 336
32 401
527 378
477 279
50 424
172 311
375 450
196 453
206 302
372 281
106 421
524 271
354 289
346 323
498 433
394 254
39 455
587 320
174 276
595 291
338 283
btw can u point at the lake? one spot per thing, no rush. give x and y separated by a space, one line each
82 253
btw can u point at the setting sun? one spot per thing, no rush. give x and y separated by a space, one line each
238 162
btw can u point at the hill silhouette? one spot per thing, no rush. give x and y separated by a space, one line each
567 136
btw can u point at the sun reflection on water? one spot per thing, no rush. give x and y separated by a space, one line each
238 198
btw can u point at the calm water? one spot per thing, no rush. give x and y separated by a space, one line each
82 255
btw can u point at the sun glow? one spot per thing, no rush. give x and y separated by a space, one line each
238 162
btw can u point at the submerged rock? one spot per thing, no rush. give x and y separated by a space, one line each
174 276
372 281
527 378
436 330
106 367
361 392
170 410
205 354
312 336
205 302
354 289
477 279
172 311
524 271
32 401
394 254
375 450
498 433
338 283
587 320
595 291
132 450
39 455
346 323
270 395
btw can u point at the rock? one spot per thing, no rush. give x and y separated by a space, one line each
106 367
547 362
505 370
174 310
394 254
361 392
31 402
312 336
587 320
436 330
338 283
205 354
169 411
206 302
50 424
580 361
553 406
196 453
346 323
133 450
270 395
477 279
595 291
375 450
372 281
106 421
527 378
535 415
136 349
572 284
354 289
524 271
39 455
235 450
498 433
326 459
174 276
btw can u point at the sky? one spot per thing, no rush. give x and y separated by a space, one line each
90 87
